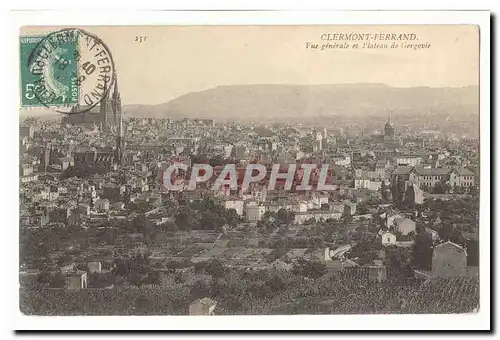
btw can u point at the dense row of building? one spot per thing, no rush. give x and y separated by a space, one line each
83 170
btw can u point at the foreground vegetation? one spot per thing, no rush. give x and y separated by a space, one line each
266 292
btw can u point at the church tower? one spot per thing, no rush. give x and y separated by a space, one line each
389 130
105 108
116 107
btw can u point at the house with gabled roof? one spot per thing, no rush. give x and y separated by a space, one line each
448 260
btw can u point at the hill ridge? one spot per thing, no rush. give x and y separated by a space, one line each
267 101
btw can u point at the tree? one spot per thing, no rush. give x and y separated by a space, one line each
472 253
447 187
384 190
169 226
445 231
457 237
58 281
275 283
171 206
199 290
186 218
438 188
398 191
398 258
153 278
232 217
421 256
136 269
346 219
285 216
276 253
309 269
139 223
473 190
64 260
211 220
139 207
362 208
215 269
268 215
100 280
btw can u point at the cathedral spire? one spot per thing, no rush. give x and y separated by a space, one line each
115 98
117 113
105 102
389 129
116 93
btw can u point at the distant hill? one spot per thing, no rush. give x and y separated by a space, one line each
307 101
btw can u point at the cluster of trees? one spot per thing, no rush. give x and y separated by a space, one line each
449 232
462 211
139 207
136 269
309 269
398 258
273 220
300 291
365 252
39 243
206 214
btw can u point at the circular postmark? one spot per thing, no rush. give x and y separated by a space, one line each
72 71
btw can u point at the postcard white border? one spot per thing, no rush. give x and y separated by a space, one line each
479 320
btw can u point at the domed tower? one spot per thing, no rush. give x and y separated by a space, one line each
389 130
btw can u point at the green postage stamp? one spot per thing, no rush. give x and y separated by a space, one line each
69 70
51 78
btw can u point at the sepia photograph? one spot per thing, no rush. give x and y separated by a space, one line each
249 170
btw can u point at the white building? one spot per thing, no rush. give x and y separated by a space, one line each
408 160
102 204
236 205
363 183
254 212
316 215
388 238
205 306
76 280
319 199
94 267
461 178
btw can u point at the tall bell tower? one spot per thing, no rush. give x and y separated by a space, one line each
116 108
389 130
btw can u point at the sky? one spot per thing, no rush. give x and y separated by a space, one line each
175 60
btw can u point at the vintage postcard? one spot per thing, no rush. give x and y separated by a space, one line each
249 170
